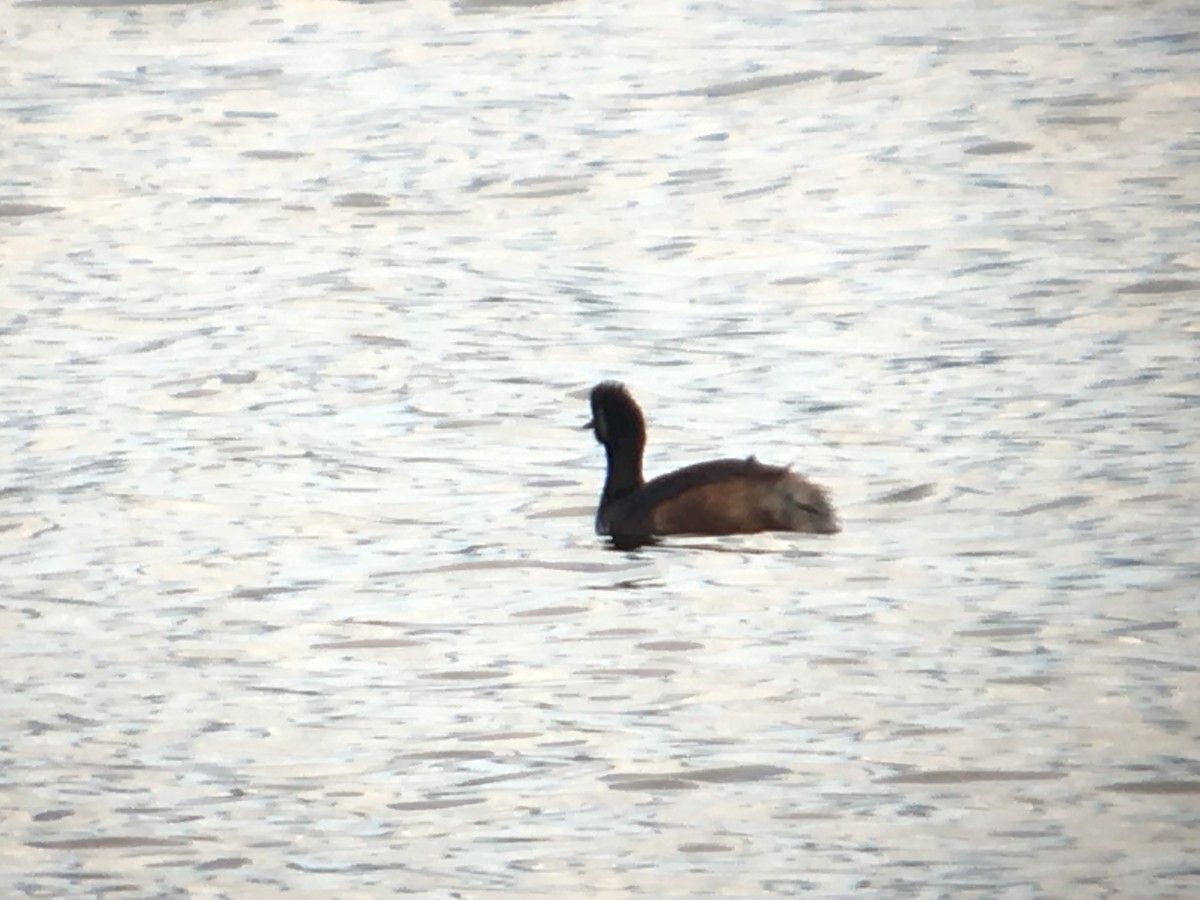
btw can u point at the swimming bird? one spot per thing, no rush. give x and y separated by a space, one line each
722 496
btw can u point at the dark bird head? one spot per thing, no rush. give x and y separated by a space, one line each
616 417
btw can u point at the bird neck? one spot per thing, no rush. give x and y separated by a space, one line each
624 469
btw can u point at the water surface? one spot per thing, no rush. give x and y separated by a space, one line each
301 304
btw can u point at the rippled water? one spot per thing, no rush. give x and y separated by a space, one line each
301 304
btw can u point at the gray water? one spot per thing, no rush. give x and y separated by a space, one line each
298 586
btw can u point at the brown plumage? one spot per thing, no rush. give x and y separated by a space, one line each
724 496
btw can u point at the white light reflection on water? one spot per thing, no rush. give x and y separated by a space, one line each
301 308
